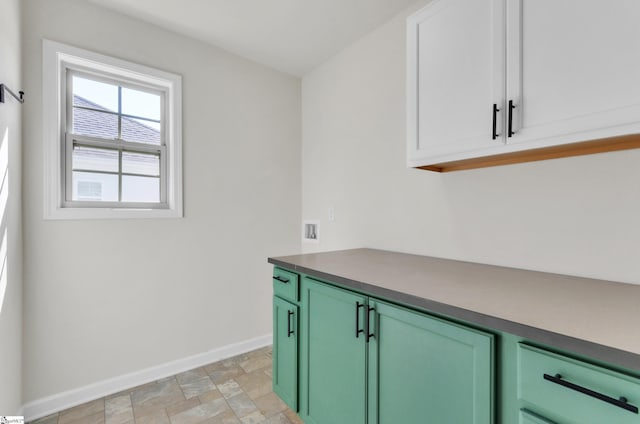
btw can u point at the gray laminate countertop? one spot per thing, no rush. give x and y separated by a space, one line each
595 318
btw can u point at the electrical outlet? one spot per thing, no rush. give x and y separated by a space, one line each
332 214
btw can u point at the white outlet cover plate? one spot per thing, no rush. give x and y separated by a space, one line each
314 232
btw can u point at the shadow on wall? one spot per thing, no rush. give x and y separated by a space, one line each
4 195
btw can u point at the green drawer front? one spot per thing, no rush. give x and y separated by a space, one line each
285 284
567 405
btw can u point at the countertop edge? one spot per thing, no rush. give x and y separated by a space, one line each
596 351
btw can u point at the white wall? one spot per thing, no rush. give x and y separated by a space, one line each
106 298
576 216
10 218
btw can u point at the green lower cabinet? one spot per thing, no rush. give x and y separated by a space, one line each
411 369
340 357
285 351
334 360
426 370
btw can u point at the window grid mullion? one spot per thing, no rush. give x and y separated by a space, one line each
124 174
120 112
120 149
93 171
119 175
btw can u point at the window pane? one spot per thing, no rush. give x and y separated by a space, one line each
140 131
141 163
140 189
89 186
95 124
141 104
95 159
94 94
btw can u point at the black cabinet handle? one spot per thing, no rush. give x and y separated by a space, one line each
282 280
494 133
289 330
370 335
358 329
510 124
620 403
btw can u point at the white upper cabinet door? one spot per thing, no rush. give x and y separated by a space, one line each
573 70
456 73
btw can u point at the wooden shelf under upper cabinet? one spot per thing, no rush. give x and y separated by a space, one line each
574 149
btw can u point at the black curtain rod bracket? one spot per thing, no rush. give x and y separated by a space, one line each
4 88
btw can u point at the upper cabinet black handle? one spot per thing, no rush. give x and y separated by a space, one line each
358 329
620 403
282 280
510 124
369 334
289 329
494 130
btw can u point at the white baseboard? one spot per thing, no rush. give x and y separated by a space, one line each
51 404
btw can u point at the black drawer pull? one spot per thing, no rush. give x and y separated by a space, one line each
289 330
358 329
282 280
620 403
494 130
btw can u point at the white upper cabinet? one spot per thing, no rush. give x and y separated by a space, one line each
573 69
456 58
570 68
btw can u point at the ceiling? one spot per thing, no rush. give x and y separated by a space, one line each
293 36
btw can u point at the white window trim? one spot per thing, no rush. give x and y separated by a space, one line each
56 58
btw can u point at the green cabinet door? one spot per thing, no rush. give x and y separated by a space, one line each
333 355
426 370
285 351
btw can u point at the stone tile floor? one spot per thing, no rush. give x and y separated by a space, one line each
233 391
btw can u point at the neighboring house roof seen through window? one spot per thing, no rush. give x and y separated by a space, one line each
99 124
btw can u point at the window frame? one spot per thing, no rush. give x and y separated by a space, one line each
120 145
60 63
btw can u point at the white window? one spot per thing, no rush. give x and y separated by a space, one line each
112 137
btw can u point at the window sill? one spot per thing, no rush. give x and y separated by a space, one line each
110 213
